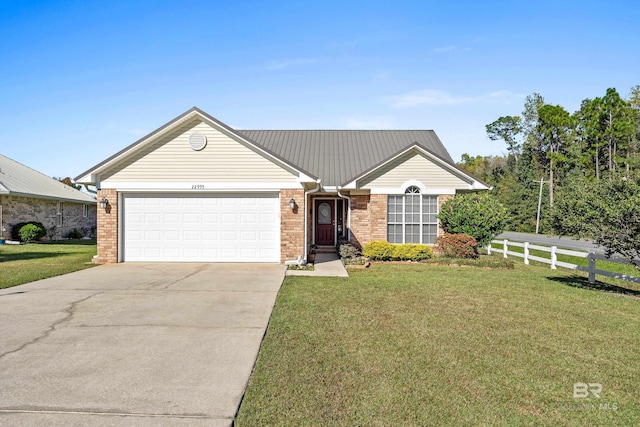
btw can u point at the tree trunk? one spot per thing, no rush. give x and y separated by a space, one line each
610 157
610 141
551 182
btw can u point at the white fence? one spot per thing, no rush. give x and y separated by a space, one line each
553 259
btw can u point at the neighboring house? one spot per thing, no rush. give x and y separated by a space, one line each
28 195
198 190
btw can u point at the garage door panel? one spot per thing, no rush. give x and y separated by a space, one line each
208 218
202 228
210 236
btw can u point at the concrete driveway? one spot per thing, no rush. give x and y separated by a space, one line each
133 344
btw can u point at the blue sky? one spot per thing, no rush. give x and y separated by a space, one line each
80 80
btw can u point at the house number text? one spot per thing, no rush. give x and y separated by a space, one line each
197 186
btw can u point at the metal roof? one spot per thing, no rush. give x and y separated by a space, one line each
21 180
338 156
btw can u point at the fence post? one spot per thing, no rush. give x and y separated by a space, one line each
526 253
505 247
592 266
489 249
554 257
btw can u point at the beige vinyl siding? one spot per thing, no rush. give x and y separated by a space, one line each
413 166
171 159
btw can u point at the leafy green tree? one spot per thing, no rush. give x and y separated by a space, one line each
607 211
618 126
508 129
601 138
555 126
489 169
589 135
477 214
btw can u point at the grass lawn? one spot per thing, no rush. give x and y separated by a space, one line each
443 345
25 263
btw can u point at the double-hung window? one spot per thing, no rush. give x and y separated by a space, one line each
412 218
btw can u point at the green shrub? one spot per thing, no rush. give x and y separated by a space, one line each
384 251
15 231
75 234
457 245
348 250
411 252
32 232
378 250
480 215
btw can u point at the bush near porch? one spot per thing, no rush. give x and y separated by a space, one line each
385 251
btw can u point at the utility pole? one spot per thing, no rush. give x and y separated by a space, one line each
539 205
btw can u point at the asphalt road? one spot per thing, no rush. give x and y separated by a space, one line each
560 242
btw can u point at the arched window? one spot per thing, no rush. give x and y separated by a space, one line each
412 217
412 190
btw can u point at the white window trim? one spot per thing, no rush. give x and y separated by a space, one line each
59 214
412 190
85 210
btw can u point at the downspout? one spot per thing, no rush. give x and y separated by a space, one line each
306 216
348 212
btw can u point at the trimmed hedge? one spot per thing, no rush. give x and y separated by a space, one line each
412 252
378 250
458 245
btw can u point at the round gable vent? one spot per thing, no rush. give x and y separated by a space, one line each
197 141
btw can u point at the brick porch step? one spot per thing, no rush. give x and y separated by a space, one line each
326 249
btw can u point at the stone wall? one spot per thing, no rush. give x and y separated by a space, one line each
16 209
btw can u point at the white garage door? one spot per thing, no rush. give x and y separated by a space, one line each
202 228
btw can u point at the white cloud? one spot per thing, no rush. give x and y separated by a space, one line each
284 63
436 97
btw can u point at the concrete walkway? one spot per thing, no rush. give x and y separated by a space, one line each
134 344
327 265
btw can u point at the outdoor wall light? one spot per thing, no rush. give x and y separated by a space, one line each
292 204
103 203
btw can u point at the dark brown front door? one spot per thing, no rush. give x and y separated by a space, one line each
325 222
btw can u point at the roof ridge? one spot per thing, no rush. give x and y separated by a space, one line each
335 130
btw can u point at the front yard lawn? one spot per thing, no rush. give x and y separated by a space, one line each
442 345
25 263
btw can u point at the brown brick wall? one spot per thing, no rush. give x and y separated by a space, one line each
16 209
108 228
360 221
291 225
378 216
368 218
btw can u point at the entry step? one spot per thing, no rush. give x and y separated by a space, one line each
326 249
